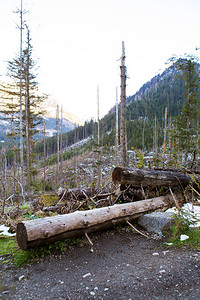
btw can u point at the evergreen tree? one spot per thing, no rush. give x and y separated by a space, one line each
22 71
186 126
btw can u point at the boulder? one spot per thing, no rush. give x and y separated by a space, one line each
156 222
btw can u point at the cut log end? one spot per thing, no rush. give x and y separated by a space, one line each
117 175
22 237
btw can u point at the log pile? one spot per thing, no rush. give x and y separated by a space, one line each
87 210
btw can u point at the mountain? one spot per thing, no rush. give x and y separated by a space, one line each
50 127
50 106
146 107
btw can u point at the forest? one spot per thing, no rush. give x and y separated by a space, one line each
143 156
160 129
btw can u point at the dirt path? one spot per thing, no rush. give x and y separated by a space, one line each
124 265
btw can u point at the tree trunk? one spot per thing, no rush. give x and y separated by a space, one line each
138 177
58 148
50 229
44 156
123 135
117 131
20 114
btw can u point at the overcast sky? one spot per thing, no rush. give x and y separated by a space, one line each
78 45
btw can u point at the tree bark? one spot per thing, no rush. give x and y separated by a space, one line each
50 229
123 134
138 177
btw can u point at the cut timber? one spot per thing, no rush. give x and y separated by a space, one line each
44 231
139 177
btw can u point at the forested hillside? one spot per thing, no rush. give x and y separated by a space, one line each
146 122
144 109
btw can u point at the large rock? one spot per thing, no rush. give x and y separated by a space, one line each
156 221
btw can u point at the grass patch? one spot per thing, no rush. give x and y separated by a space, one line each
10 248
8 245
182 226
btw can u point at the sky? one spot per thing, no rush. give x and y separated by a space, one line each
78 44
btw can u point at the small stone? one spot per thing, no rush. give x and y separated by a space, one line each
155 253
92 293
86 275
21 277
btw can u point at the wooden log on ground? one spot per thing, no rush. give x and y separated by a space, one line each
50 229
140 177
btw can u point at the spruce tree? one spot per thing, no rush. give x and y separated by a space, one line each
186 126
22 71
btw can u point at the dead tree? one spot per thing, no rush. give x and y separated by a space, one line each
117 130
58 150
123 138
44 155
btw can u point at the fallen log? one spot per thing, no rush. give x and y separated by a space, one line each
141 177
50 229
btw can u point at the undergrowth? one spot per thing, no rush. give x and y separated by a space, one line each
10 251
182 225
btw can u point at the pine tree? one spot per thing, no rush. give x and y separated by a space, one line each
186 128
27 102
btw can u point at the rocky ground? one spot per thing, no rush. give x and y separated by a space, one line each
122 265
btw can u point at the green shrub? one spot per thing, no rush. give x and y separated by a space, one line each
182 226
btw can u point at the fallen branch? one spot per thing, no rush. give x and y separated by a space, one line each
138 231
175 200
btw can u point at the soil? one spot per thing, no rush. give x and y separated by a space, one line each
122 265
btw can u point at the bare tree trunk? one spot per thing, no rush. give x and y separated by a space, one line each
123 138
44 158
165 135
5 173
75 158
61 145
98 143
58 151
117 130
155 137
20 114
13 147
143 131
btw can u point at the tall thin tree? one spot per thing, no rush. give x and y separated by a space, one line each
61 144
123 136
98 142
20 113
44 157
58 150
117 130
